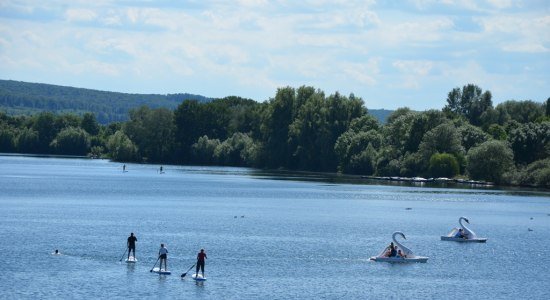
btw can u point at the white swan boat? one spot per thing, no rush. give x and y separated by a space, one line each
408 255
468 235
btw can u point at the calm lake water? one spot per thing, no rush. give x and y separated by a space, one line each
266 236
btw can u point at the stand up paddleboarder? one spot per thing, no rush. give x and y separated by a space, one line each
132 245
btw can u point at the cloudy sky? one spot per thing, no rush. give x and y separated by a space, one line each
390 53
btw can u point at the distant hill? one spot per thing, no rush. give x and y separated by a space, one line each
17 97
381 114
25 98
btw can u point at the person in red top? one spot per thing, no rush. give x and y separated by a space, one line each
200 262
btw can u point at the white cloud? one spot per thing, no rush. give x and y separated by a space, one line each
525 48
420 68
80 15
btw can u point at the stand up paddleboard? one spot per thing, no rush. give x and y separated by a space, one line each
198 277
131 260
161 271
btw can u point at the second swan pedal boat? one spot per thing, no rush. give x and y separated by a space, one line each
467 235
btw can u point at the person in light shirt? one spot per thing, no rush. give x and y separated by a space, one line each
163 255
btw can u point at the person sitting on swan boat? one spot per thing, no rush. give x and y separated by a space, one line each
389 249
401 254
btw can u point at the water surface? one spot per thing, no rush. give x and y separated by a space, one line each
266 238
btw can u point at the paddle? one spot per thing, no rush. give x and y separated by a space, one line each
154 265
183 275
123 254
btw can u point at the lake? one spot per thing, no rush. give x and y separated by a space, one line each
267 235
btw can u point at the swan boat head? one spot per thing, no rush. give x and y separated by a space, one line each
469 232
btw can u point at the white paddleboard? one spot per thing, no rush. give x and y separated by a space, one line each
198 277
131 260
161 271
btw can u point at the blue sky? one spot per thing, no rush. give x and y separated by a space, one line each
390 53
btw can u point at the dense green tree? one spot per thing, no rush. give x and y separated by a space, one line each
351 144
152 130
497 132
443 165
231 152
522 111
364 162
44 125
71 141
89 123
275 128
420 124
530 142
470 102
203 150
535 174
121 148
28 141
397 132
490 160
444 138
7 139
472 136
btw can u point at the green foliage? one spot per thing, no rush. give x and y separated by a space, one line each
535 174
353 144
420 124
28 141
490 160
470 102
443 165
232 151
472 136
444 138
530 142
89 123
364 162
497 132
522 111
7 139
152 130
203 150
71 141
121 148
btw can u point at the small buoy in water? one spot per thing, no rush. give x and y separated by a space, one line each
531 218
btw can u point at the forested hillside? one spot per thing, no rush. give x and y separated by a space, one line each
23 98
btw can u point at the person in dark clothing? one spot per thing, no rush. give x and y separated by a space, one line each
132 244
200 262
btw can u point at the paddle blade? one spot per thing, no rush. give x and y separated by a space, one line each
183 275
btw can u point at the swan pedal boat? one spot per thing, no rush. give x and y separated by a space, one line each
416 259
410 256
472 237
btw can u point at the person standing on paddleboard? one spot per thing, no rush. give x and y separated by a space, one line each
132 244
163 253
200 262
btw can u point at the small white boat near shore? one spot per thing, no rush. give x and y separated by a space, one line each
467 235
407 255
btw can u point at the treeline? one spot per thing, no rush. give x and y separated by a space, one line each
303 129
24 98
